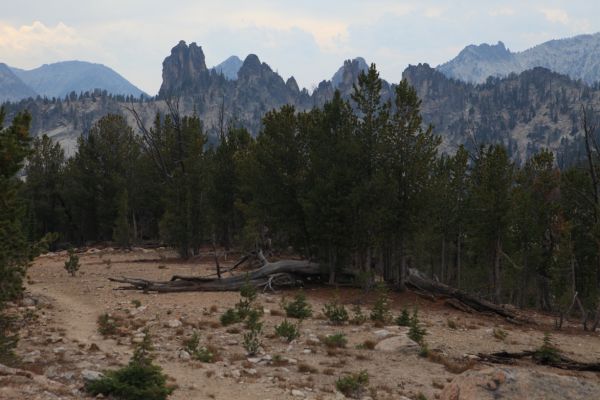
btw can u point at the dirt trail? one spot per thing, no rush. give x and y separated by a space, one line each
77 302
73 313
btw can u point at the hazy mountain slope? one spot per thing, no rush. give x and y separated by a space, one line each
577 57
11 87
62 78
526 112
229 68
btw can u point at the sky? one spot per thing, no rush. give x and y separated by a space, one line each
308 39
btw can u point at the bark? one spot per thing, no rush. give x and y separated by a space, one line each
561 362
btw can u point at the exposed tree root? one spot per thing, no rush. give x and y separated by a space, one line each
504 357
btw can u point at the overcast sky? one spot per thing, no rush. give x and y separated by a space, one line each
305 38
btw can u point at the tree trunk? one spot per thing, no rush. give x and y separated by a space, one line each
496 271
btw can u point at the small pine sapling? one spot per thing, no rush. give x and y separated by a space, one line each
72 264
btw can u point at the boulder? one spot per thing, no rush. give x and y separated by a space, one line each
400 343
90 375
518 383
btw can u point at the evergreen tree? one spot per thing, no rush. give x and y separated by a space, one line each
490 203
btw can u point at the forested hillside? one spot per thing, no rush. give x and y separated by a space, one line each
356 184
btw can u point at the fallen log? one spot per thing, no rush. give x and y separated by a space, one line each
290 272
416 280
562 362
270 275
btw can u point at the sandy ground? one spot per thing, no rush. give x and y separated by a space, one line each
69 308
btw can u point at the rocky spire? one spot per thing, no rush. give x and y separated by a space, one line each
184 71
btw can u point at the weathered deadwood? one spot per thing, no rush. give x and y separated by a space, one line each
284 271
420 282
562 362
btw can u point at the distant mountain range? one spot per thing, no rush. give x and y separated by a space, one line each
578 57
60 79
526 111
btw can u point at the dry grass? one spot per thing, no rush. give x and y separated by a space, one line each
307 369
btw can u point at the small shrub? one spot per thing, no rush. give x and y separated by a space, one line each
107 263
307 369
136 303
200 353
336 340
335 312
424 350
358 318
353 385
231 316
499 333
416 331
547 353
139 380
452 324
72 264
404 318
381 310
253 320
8 339
252 342
299 308
287 330
248 295
107 325
367 344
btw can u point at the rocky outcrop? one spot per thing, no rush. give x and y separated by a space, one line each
184 71
519 383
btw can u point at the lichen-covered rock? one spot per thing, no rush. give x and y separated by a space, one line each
518 383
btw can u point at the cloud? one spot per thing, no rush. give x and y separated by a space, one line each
502 12
434 12
329 34
556 15
31 45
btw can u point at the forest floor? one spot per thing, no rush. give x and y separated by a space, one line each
61 342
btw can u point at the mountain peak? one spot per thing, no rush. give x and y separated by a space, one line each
349 71
184 71
229 68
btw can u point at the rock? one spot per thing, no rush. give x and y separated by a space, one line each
401 343
184 355
91 375
174 323
32 357
255 360
298 393
382 334
518 383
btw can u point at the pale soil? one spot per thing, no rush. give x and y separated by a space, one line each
70 306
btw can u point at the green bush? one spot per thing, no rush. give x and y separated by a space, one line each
252 342
138 380
253 320
353 385
231 316
106 325
335 312
287 330
197 352
358 318
404 318
381 310
547 353
72 264
335 340
8 339
299 308
416 331
248 295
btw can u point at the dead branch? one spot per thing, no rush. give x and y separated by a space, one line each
562 362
